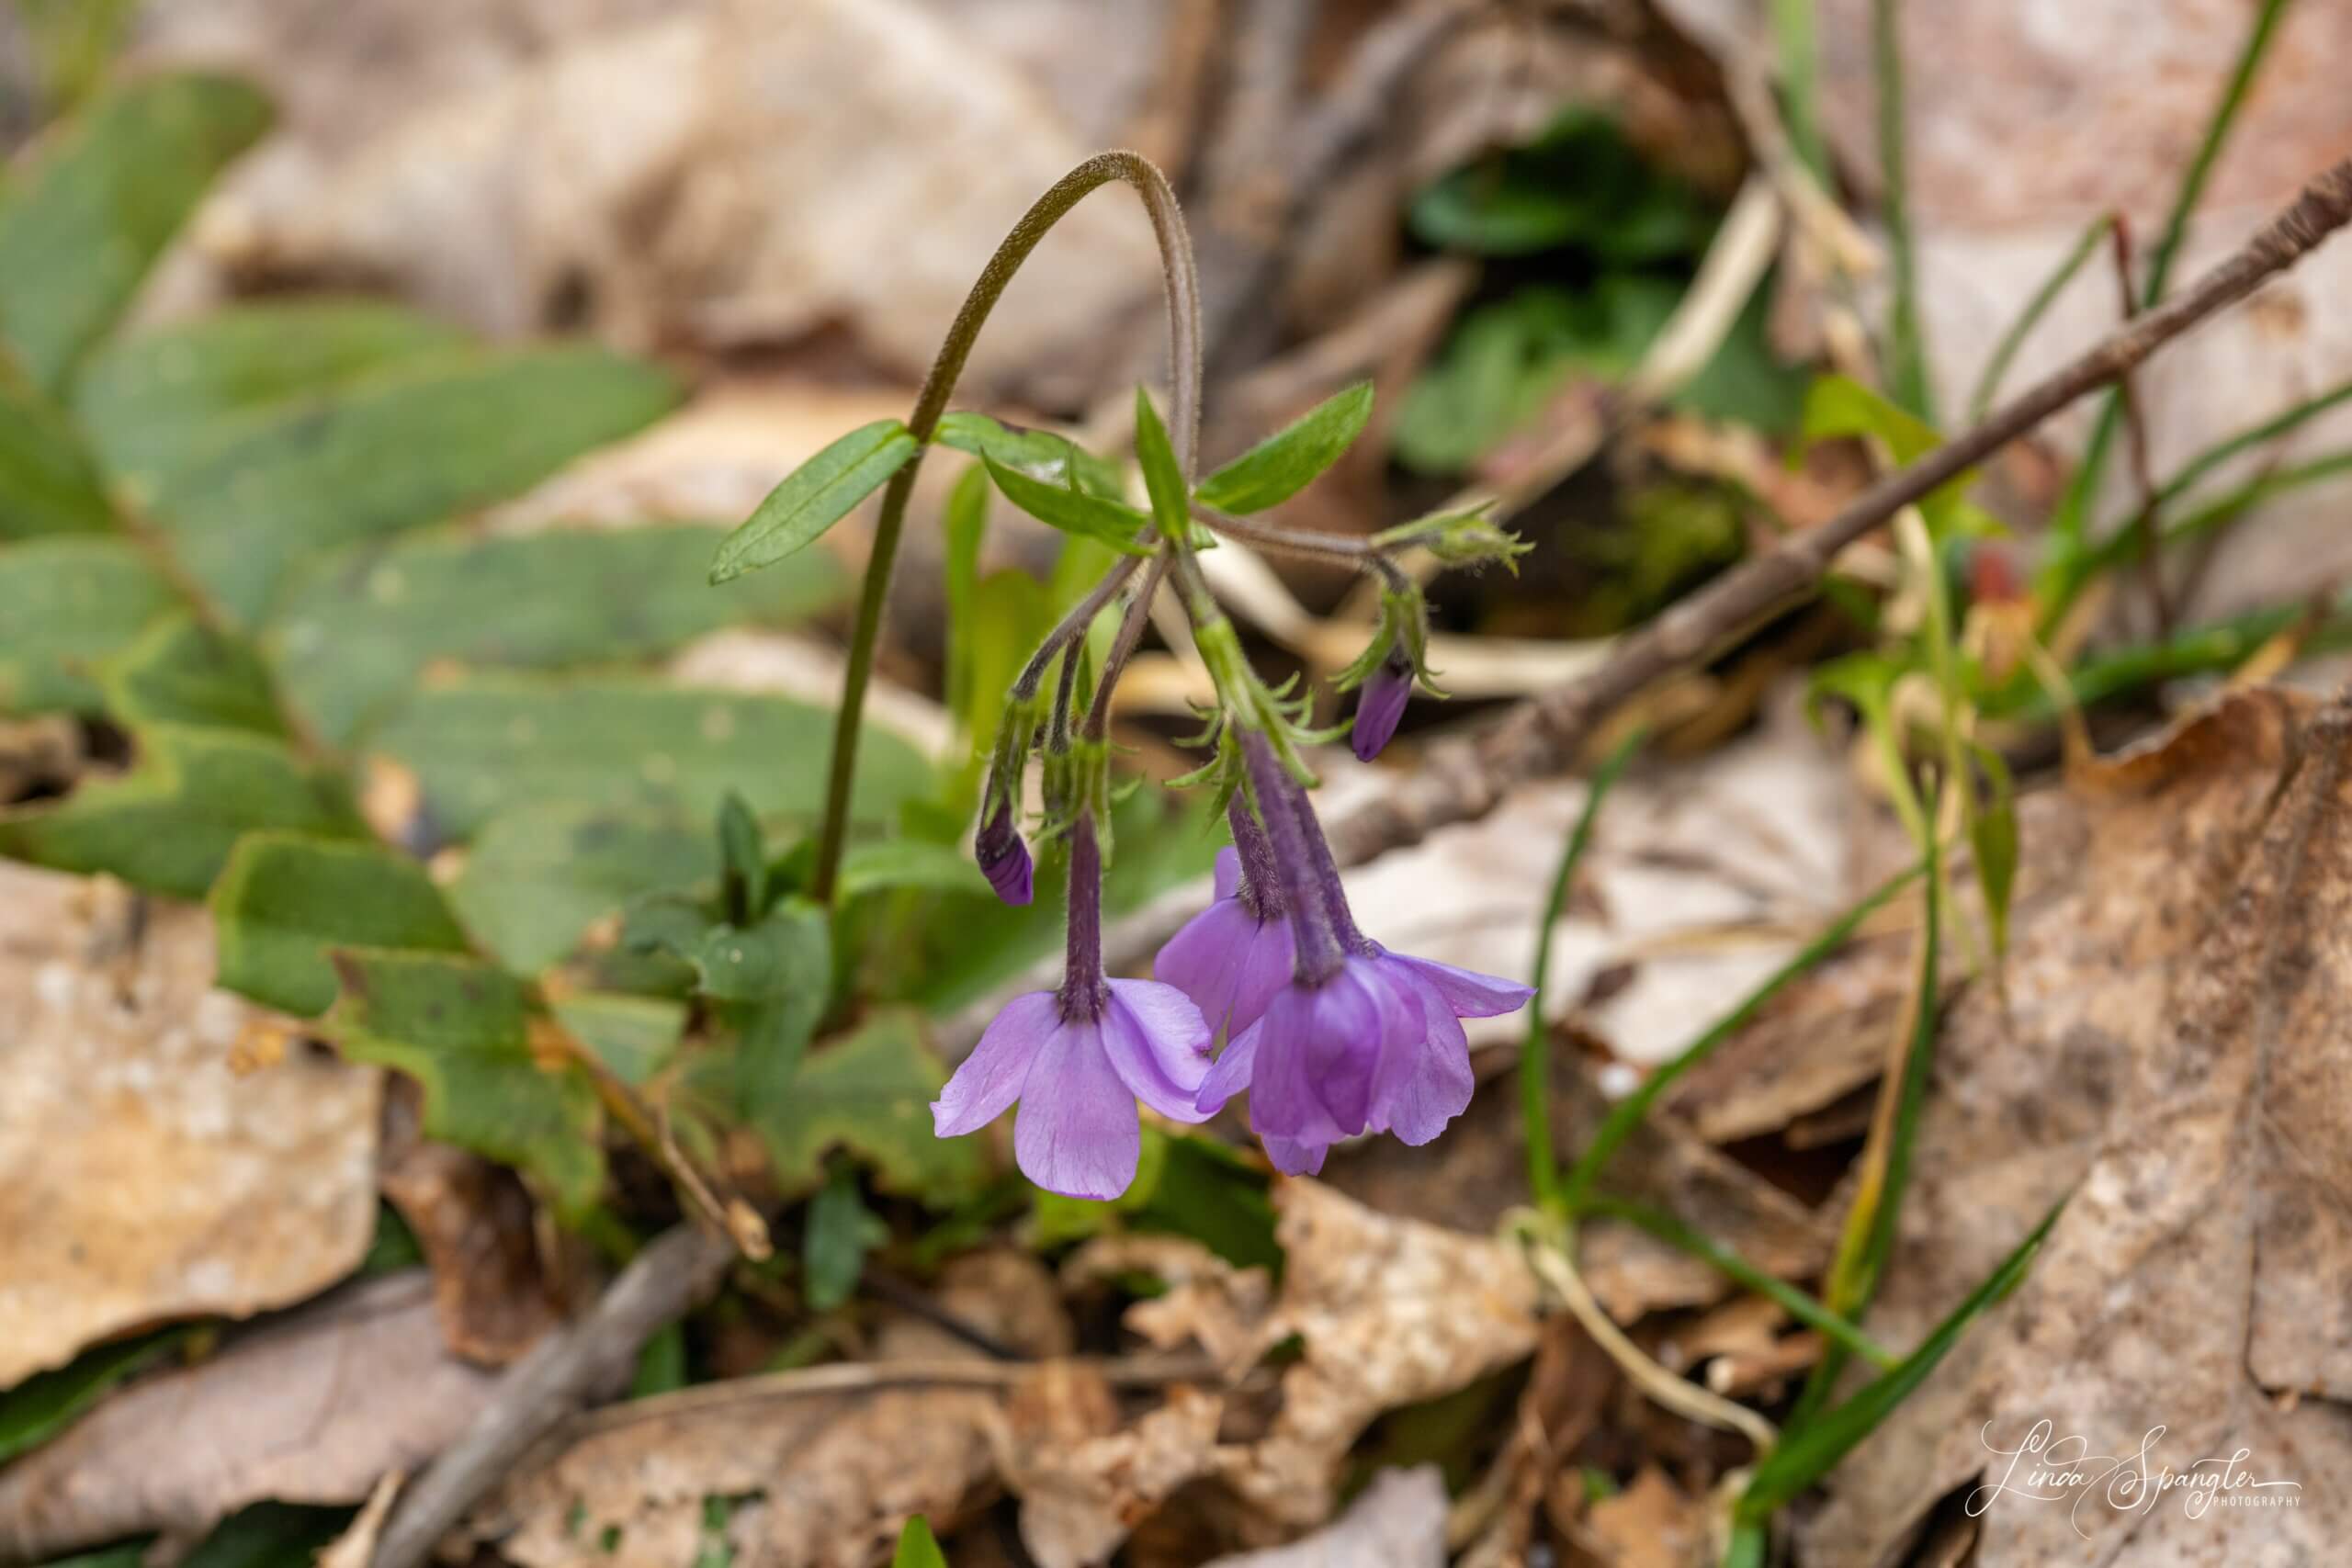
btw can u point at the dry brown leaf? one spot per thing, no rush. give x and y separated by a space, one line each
1082 1493
1398 1522
1650 1524
2173 1054
140 1179
315 1408
356 1547
1207 1301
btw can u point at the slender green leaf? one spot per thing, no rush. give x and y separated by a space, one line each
1989 380
1113 522
47 1403
1809 1453
1281 466
1907 350
356 628
1796 52
182 671
815 496
83 225
48 484
169 823
1163 476
463 1030
2283 423
482 746
1040 454
385 453
1993 834
842 1231
870 1093
918 1548
743 860
68 603
284 900
538 876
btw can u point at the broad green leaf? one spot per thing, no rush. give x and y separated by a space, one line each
482 746
154 399
1807 1453
83 225
744 862
1113 522
842 1231
538 876
284 901
47 1403
634 1036
1839 405
785 954
68 603
354 629
871 1092
169 823
1040 454
463 1030
48 484
910 862
1163 477
1280 467
385 453
918 1548
1580 184
815 496
179 672
661 1364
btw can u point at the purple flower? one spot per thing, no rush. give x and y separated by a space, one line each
1003 857
1079 1058
1381 703
1233 955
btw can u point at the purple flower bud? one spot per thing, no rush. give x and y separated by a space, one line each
1004 857
1381 703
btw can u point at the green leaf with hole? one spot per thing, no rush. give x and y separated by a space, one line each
815 496
354 630
483 746
1281 466
908 862
48 484
537 876
918 1548
69 604
101 200
842 1231
153 400
181 671
1040 454
870 1093
169 823
463 1030
284 900
414 445
1112 523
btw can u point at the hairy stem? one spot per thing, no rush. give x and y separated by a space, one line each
1185 428
1131 624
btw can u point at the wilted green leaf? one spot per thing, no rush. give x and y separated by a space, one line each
1113 522
181 671
1581 184
1040 454
83 225
634 1036
152 400
1279 466
463 1030
842 1231
1163 476
910 862
67 603
46 1403
537 876
284 900
918 1548
47 482
169 823
871 1092
386 453
354 628
815 496
482 746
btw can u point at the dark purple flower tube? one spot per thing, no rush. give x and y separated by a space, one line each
1004 857
1379 706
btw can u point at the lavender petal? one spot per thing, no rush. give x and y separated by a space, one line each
991 1079
1077 1133
1158 1044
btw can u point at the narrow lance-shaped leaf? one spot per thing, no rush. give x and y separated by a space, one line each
918 1548
815 496
1040 454
1163 477
1113 522
744 867
1280 467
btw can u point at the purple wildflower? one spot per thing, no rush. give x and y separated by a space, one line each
1361 1039
1078 1059
1003 857
1381 704
1233 956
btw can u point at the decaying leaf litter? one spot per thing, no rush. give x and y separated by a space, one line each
1216 1363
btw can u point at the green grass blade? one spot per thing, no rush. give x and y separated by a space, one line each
1806 1454
1907 342
1535 1057
2270 429
1629 1112
1989 380
1800 58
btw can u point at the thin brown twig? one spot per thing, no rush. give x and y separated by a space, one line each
2135 428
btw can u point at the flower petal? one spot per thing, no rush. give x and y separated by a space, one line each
1206 959
1313 1079
1263 972
1425 1080
1231 1073
1229 872
1158 1044
987 1083
1077 1133
1293 1157
1467 992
